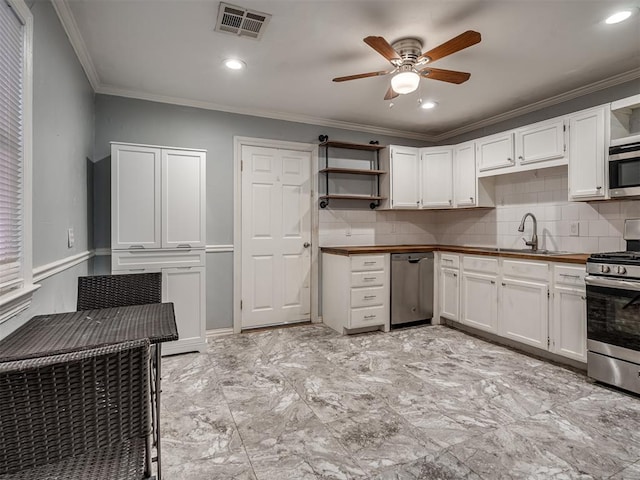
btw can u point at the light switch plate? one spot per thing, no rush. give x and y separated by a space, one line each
70 238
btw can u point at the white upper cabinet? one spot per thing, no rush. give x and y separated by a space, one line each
436 165
465 177
157 197
183 194
587 154
404 171
495 151
540 142
135 197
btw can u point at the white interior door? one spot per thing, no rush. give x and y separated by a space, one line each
276 236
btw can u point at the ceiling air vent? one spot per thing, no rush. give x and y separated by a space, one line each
240 21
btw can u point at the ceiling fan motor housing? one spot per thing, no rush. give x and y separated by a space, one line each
409 49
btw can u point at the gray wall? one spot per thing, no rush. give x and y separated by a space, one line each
63 118
601 97
138 121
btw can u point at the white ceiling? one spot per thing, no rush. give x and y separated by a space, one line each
531 50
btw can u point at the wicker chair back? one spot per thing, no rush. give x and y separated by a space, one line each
106 291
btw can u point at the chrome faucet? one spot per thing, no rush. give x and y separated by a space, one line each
533 243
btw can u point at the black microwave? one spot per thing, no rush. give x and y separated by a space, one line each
624 170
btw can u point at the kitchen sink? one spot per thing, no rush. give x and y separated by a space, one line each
528 251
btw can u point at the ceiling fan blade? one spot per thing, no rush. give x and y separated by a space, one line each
383 47
360 75
450 76
391 93
454 45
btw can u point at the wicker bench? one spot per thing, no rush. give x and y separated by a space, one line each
106 291
79 415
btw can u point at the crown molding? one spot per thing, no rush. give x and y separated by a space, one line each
70 26
275 115
548 102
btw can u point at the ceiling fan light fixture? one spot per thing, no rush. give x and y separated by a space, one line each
405 82
234 64
618 17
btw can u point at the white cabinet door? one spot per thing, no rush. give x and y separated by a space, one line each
495 151
436 168
524 312
587 154
569 326
183 199
465 175
135 197
540 142
449 293
405 180
480 301
185 287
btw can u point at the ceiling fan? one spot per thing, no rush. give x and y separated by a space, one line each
410 65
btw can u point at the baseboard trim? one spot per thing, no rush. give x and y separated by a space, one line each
45 271
219 332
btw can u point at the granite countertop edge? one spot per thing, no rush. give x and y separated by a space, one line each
580 258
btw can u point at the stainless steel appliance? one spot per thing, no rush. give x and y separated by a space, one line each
411 288
613 313
624 170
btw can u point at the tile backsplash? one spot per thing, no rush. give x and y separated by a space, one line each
562 225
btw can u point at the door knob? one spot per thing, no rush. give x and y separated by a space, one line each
306 244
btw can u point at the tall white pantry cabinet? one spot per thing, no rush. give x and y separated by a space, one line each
158 225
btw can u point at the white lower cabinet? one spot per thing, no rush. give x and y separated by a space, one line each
568 326
356 291
449 287
479 301
185 287
524 313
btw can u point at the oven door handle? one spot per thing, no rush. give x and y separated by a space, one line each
611 283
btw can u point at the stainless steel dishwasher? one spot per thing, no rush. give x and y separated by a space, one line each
411 288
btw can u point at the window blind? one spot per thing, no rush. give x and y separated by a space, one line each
11 147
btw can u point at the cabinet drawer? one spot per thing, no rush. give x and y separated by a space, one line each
367 279
363 317
367 262
570 276
480 264
153 260
367 297
449 261
532 270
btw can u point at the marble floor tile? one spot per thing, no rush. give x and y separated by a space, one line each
441 466
426 402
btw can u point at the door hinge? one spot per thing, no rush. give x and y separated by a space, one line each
241 165
548 342
564 128
548 293
240 304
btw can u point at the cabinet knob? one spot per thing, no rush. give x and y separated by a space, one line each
510 159
471 198
306 244
582 297
450 202
520 158
455 274
493 282
598 188
504 284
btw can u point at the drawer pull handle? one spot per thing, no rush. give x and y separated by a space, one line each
450 260
184 245
370 263
369 297
136 246
369 317
369 279
569 276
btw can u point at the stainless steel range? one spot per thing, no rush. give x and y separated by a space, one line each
613 313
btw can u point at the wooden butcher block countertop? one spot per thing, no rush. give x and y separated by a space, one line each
580 258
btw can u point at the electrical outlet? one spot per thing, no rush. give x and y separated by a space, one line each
70 238
574 229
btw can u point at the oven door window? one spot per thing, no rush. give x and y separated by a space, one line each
613 316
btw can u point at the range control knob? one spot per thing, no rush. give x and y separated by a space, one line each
621 270
604 269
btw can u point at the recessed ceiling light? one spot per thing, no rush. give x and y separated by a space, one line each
428 105
618 17
234 64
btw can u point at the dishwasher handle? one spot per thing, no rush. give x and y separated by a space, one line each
414 260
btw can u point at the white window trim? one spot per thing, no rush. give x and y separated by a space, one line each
16 301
